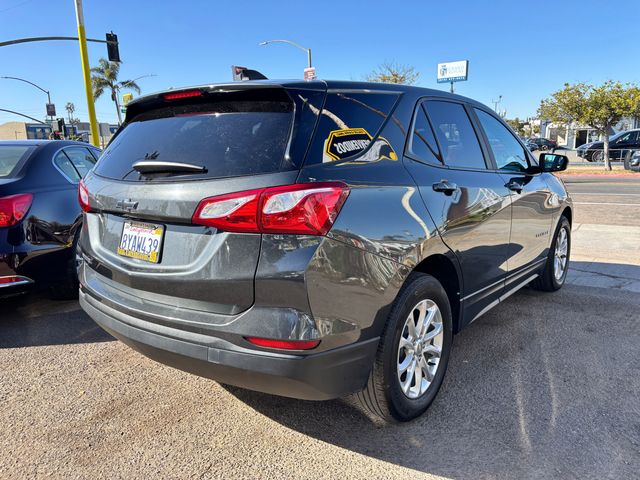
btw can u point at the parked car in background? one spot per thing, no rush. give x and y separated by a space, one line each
40 216
544 144
620 145
632 161
532 146
279 236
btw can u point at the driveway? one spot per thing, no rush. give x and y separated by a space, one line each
543 386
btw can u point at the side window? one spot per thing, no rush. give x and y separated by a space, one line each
423 144
507 151
458 140
95 152
64 164
81 159
347 124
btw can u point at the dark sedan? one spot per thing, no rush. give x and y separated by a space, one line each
532 146
620 147
40 217
544 143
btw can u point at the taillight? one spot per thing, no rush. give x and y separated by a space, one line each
83 197
305 208
284 344
14 208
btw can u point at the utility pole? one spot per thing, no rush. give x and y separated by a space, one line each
86 72
495 103
309 68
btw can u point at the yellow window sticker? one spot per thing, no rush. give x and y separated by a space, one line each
345 143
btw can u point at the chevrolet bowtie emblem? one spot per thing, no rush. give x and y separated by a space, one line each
127 205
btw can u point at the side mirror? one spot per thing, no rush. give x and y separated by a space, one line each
551 162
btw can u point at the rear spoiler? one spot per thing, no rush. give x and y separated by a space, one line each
166 97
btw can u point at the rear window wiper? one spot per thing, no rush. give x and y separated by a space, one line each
156 166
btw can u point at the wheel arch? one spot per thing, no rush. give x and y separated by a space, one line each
446 271
567 212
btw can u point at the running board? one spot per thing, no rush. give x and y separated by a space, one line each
504 296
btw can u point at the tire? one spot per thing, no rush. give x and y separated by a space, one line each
543 148
67 287
627 160
548 281
383 398
597 156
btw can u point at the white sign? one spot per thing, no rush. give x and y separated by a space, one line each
453 71
310 73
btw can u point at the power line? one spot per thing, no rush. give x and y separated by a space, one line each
16 6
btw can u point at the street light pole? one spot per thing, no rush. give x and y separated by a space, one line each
495 103
31 83
308 50
86 71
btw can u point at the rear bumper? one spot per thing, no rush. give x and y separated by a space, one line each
321 376
11 282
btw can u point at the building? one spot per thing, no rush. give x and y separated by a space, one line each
23 131
41 131
574 135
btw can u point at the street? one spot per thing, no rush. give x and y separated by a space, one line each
545 385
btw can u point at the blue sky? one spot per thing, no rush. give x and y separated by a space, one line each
520 50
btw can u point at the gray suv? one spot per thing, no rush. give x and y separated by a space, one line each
315 239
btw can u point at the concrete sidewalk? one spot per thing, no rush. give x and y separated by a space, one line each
605 256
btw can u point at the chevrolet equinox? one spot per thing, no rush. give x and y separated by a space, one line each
315 239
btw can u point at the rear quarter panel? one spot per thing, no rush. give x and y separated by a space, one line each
382 232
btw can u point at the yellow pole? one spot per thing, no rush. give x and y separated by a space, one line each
86 72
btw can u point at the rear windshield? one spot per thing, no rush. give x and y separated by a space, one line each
229 134
12 158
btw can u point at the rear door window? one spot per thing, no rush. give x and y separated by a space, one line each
12 157
348 123
457 138
63 162
81 159
423 145
229 134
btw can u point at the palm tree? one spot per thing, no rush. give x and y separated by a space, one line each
70 108
105 77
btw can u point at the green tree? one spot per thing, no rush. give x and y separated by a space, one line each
517 125
394 73
105 77
600 107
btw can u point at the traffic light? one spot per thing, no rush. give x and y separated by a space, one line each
60 125
112 47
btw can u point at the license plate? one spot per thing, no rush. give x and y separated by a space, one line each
141 241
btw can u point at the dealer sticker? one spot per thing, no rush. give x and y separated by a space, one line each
345 143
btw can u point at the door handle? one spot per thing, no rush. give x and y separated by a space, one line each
514 186
445 187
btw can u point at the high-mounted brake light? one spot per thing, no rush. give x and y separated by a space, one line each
183 94
14 208
304 208
83 197
284 344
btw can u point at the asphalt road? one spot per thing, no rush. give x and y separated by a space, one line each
543 386
605 201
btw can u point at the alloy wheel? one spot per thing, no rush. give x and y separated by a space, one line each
560 254
420 348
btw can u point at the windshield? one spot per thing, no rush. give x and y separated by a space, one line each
616 136
11 159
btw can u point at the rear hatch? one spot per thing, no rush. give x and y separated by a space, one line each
174 150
